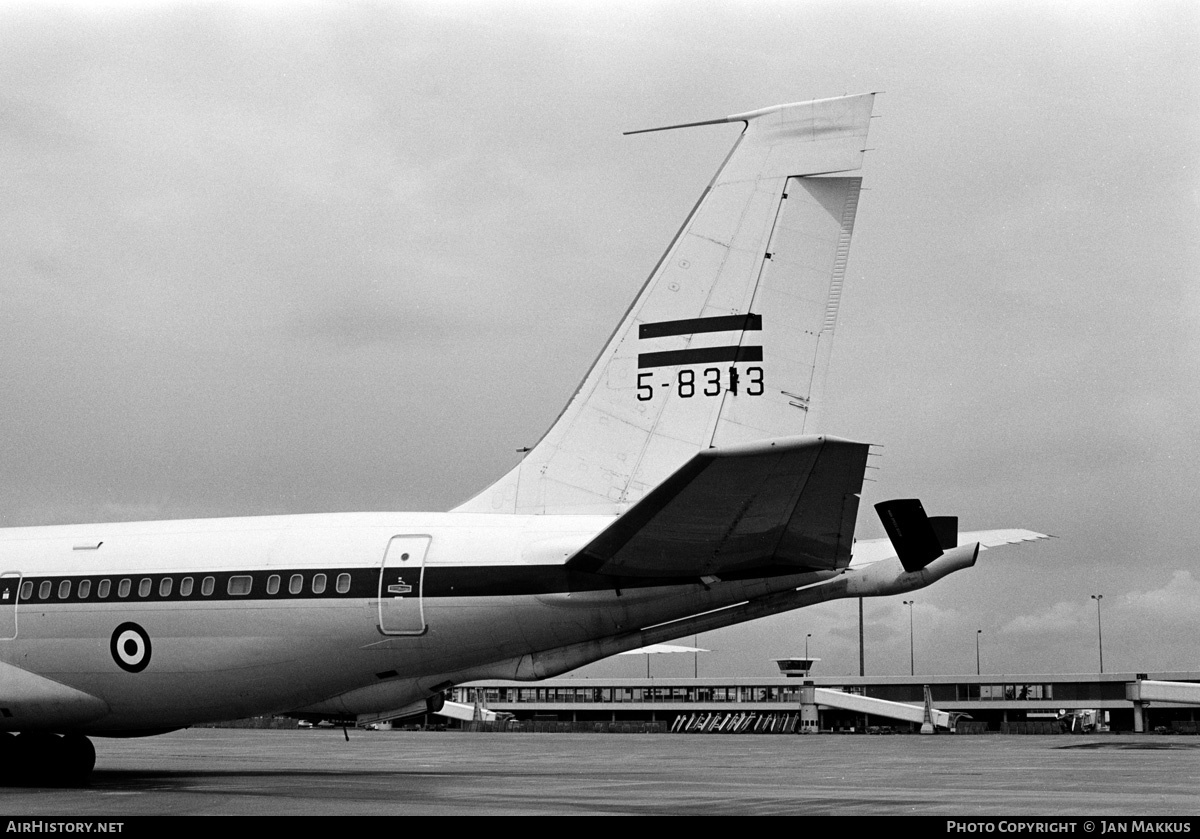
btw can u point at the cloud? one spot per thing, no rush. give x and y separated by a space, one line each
1176 602
1060 617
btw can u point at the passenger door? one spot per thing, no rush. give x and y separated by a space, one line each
10 585
401 586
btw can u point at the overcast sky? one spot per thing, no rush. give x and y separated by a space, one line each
280 258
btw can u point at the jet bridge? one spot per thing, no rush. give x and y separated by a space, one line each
876 707
468 713
1146 691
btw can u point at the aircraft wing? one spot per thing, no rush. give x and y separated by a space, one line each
996 538
874 550
787 504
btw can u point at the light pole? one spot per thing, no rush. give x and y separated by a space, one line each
806 637
978 632
862 653
912 661
1099 631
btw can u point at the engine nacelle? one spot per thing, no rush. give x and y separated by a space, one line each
888 576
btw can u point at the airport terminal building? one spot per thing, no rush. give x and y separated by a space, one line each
1012 703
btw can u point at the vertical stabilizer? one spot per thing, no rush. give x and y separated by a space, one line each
728 340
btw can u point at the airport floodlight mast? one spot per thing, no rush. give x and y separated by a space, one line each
1099 631
912 661
978 632
862 653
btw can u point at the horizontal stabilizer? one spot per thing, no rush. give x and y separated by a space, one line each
788 502
912 534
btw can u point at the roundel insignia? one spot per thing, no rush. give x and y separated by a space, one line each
130 647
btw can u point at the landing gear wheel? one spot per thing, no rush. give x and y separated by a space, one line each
8 758
38 758
77 758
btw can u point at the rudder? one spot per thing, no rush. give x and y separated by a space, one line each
728 339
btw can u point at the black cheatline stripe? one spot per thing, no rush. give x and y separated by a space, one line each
455 581
364 583
691 326
448 582
701 355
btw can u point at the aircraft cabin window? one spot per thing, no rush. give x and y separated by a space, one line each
207 585
164 587
85 588
239 584
27 590
318 583
273 584
44 590
296 584
343 583
185 587
64 589
123 587
144 587
103 587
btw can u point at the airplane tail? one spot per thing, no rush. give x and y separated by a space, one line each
728 340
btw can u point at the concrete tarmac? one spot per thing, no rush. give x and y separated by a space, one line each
316 772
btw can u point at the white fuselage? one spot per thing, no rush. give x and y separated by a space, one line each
155 625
